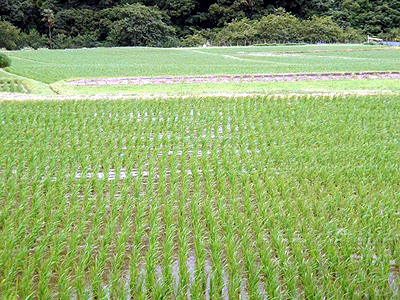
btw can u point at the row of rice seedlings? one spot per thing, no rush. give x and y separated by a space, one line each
199 286
11 86
184 231
153 240
239 225
85 234
270 198
135 278
268 268
169 238
226 213
215 240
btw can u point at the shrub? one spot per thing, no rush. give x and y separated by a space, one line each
33 40
5 61
194 40
321 29
279 27
9 36
172 42
241 31
393 35
61 41
373 43
352 35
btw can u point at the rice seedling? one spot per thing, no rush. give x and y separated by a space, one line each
252 198
122 63
11 85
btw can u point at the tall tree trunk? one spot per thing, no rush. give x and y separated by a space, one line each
50 38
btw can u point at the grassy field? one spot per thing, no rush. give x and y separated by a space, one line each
251 197
50 66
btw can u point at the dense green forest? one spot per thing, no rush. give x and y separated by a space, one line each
164 23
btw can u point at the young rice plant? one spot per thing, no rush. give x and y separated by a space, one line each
252 198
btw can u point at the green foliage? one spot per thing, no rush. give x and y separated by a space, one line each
74 22
48 17
5 61
279 27
9 35
321 29
237 32
33 40
220 14
61 41
283 27
224 11
393 35
138 25
372 17
176 10
183 197
85 18
194 40
309 8
372 43
351 35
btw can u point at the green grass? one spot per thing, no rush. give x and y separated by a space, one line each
50 66
212 88
290 197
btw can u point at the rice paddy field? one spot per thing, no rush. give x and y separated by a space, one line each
52 71
267 197
50 66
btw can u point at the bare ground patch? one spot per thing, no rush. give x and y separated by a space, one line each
288 77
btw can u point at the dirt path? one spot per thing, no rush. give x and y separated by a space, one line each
30 97
234 78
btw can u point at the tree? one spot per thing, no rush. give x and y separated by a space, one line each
279 27
139 25
241 31
321 30
49 20
93 20
393 35
174 8
372 17
224 11
74 22
9 35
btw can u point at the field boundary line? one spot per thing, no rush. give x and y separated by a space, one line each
337 50
258 61
302 55
237 58
238 78
36 60
32 97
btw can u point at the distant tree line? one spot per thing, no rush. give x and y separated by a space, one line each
165 23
